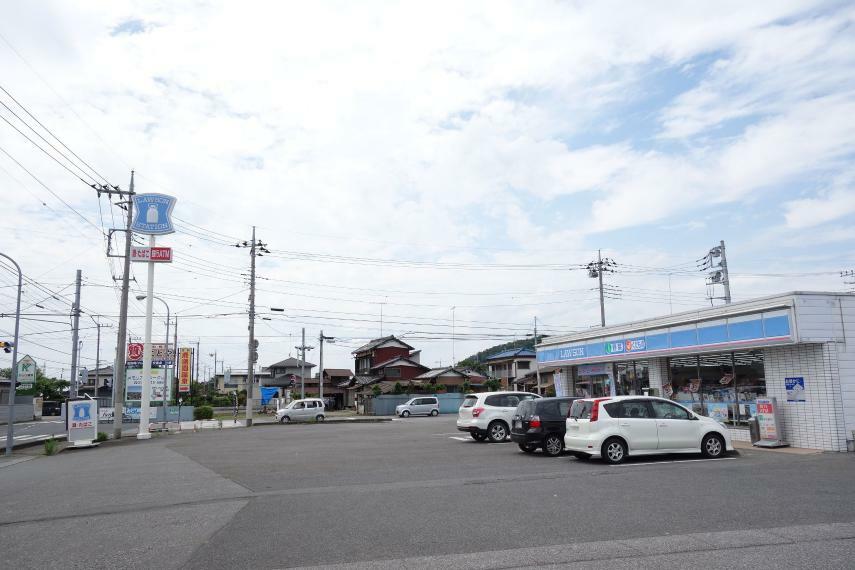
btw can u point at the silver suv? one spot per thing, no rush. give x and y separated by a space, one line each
426 406
489 414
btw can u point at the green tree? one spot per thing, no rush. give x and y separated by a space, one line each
48 388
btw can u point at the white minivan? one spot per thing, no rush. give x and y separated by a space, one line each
613 428
304 410
424 406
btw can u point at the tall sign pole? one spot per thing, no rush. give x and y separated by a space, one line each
153 218
10 426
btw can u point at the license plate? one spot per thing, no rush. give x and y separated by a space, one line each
518 424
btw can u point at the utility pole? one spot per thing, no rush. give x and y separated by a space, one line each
75 333
175 365
256 249
98 326
121 337
321 339
453 356
718 272
845 274
10 425
303 348
214 354
536 364
596 270
726 277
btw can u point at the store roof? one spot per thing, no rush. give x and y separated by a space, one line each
512 353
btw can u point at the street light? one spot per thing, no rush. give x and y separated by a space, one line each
166 370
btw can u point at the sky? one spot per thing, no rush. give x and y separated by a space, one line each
451 166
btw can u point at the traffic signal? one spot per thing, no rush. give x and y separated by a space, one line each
6 346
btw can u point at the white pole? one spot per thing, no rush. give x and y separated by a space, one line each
146 370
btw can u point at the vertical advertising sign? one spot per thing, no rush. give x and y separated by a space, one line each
795 389
185 366
82 420
27 372
769 423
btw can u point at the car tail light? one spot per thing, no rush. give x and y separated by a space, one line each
534 422
595 409
477 412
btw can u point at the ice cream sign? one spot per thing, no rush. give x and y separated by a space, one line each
153 215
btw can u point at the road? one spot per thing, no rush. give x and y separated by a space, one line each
45 428
415 493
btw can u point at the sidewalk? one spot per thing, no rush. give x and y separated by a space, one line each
790 450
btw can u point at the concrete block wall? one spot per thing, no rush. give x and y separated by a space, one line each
817 423
657 371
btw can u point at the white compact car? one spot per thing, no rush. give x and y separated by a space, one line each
613 428
304 410
489 415
425 406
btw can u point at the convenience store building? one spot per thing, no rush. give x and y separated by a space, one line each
797 347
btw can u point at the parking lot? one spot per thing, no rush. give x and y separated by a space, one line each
305 495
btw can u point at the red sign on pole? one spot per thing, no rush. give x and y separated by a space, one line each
153 254
184 369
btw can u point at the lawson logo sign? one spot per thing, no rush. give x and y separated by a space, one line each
629 345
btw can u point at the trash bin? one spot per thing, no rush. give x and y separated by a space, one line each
754 429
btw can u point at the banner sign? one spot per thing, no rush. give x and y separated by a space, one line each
153 254
153 214
185 367
795 389
767 418
733 332
161 355
27 372
133 385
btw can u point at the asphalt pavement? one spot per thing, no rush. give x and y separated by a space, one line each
27 432
417 493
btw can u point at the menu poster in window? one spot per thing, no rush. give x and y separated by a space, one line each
795 389
667 390
694 385
717 412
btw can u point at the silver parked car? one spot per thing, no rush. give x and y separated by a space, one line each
302 411
425 406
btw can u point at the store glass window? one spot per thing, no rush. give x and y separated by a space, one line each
723 386
632 378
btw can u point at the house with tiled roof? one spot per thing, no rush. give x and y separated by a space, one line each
510 364
452 378
384 360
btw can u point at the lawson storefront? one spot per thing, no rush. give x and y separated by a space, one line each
796 347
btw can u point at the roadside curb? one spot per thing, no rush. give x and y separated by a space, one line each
328 421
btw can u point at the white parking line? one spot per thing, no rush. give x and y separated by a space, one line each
672 461
461 438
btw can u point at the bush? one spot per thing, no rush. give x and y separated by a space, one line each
467 387
203 413
101 436
51 446
492 385
222 401
398 388
440 388
376 390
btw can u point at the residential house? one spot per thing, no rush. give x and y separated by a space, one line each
336 381
452 378
510 364
286 374
528 382
384 361
103 377
234 380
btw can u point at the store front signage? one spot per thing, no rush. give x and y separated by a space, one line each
769 422
722 333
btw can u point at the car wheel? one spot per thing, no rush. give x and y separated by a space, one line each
553 445
319 418
285 420
434 412
528 447
405 414
712 446
614 451
477 436
498 432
